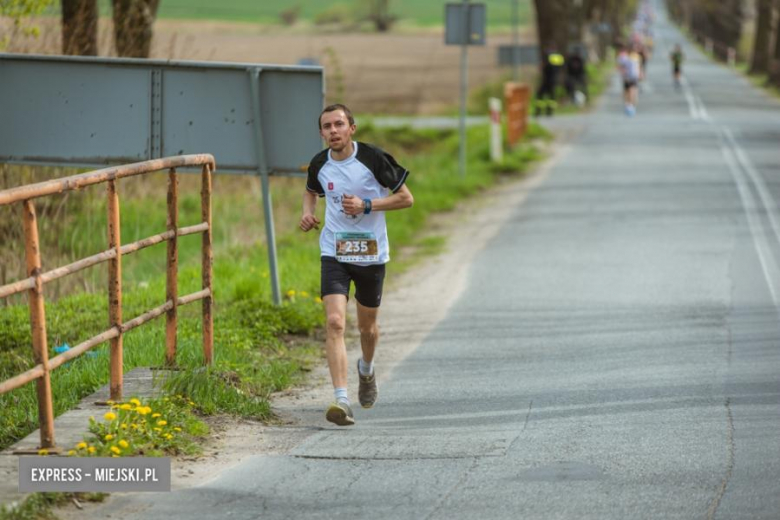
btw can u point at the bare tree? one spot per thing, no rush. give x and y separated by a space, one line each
760 61
133 26
79 27
379 14
774 67
552 24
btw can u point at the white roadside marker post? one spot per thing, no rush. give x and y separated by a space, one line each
496 148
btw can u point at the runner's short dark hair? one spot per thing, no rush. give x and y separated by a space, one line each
333 108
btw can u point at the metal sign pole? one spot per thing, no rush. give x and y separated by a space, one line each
515 42
464 84
270 236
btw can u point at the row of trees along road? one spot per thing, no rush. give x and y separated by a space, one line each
721 22
563 22
133 27
133 24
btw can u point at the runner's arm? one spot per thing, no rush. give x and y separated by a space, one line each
308 219
399 200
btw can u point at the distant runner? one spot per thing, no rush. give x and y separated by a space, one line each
359 182
677 58
628 65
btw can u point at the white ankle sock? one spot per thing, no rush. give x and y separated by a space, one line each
341 395
365 369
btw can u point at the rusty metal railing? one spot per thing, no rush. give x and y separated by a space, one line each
113 255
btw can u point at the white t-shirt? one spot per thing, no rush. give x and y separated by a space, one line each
369 173
629 66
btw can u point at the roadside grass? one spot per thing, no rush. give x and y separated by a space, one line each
427 13
759 80
259 348
40 506
598 74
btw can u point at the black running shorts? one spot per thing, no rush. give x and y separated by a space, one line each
336 276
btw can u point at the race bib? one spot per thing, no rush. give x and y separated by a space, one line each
356 247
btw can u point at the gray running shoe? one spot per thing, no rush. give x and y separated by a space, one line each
367 389
340 413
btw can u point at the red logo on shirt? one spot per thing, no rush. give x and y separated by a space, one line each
330 186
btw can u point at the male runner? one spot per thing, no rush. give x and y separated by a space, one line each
359 182
677 58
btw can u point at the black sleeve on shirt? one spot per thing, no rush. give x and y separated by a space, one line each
316 164
386 170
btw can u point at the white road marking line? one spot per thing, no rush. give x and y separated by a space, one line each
693 108
751 207
758 182
702 109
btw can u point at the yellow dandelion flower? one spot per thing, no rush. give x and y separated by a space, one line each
158 430
71 453
108 437
143 410
191 403
81 446
109 416
43 451
168 436
162 423
134 426
91 449
291 293
110 402
116 450
123 426
135 401
156 415
176 429
124 443
126 407
318 299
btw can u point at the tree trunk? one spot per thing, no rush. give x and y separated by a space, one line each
774 68
79 27
760 62
133 27
381 15
552 25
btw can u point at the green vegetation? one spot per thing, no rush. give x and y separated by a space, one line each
39 506
762 81
259 348
415 12
164 426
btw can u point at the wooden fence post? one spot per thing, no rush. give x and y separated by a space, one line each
208 301
38 325
172 284
115 290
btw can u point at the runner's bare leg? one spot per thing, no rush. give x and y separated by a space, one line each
335 348
369 330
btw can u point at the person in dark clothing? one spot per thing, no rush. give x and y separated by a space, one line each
576 79
545 95
677 58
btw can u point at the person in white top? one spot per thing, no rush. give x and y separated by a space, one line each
629 66
359 182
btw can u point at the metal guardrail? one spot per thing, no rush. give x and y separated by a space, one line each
113 255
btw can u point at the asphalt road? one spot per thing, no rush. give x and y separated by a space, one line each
616 353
